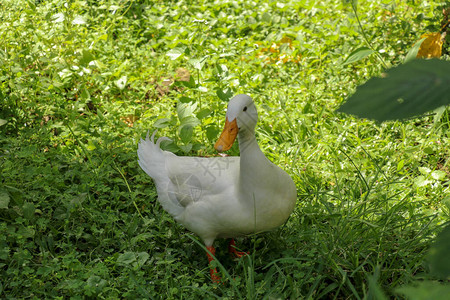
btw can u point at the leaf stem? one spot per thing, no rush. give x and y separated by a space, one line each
365 37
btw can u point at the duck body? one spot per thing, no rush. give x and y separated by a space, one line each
222 197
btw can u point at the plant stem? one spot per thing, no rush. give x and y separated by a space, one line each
366 39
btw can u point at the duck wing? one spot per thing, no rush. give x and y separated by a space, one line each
197 179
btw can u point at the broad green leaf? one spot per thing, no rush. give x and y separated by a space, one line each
91 146
357 55
225 94
86 57
446 202
126 258
186 148
16 195
189 120
141 258
266 17
58 18
176 52
203 89
28 210
421 181
114 7
170 146
185 109
186 132
198 63
85 95
405 91
26 232
439 255
161 123
212 133
400 165
65 73
185 99
33 7
4 199
412 53
204 113
189 84
438 113
424 170
425 290
96 282
3 122
438 175
78 20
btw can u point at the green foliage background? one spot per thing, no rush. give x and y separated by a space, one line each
82 81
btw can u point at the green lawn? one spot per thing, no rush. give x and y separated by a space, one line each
81 82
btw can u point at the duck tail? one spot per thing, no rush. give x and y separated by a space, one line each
152 159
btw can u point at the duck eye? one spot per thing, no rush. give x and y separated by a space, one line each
245 108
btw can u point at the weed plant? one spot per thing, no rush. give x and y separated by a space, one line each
82 81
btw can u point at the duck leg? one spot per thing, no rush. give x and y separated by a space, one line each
214 277
233 251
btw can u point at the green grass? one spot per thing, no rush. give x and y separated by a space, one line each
80 83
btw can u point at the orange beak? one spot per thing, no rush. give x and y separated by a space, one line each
228 136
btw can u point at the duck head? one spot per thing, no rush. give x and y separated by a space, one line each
241 118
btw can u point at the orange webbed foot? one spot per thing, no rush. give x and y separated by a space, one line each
214 277
234 252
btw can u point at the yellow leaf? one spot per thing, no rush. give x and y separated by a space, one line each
431 46
286 40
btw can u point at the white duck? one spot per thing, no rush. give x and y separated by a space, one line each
222 197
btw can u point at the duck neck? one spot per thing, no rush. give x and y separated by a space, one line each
252 157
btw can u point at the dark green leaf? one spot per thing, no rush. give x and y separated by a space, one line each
186 132
26 232
185 99
212 133
225 94
170 146
126 258
189 84
28 210
141 258
405 91
86 57
439 255
425 290
204 113
4 199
